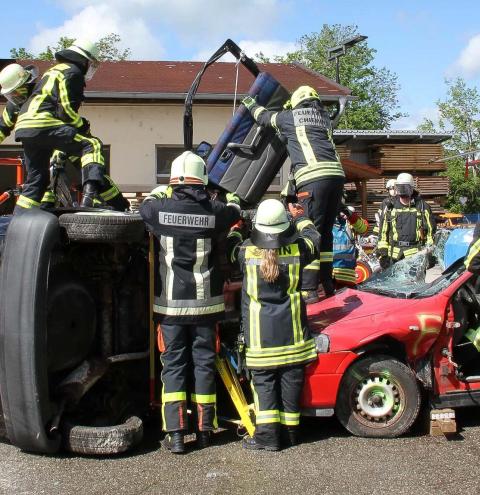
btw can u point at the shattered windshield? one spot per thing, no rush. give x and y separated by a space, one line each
421 275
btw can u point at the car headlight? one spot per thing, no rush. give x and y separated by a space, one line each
322 343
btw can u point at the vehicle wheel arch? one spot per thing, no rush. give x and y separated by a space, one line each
386 345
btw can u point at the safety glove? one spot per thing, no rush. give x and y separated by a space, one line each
232 198
249 102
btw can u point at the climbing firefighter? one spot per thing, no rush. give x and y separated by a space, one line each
347 226
49 121
317 173
472 259
278 341
407 224
390 187
188 226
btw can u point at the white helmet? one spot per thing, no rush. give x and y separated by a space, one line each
390 183
405 178
12 77
188 168
87 49
272 228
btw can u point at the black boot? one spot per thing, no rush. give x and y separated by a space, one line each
204 439
90 193
310 296
328 287
289 436
251 443
174 442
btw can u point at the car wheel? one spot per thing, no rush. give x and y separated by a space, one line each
103 440
379 397
103 226
24 388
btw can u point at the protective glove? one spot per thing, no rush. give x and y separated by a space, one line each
232 198
160 192
249 102
85 127
296 210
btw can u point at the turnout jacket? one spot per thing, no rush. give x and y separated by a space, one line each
8 120
472 260
308 132
54 102
188 226
273 314
404 229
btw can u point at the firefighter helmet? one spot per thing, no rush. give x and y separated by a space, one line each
390 184
405 184
13 80
188 168
87 49
272 228
303 93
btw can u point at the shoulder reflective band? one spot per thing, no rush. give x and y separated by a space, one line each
186 220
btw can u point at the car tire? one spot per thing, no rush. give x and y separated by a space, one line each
379 397
103 440
103 226
24 387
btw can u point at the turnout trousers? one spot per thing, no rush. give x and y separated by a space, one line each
276 394
321 200
185 344
38 150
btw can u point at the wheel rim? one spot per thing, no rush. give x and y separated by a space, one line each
378 401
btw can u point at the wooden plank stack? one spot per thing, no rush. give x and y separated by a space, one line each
407 157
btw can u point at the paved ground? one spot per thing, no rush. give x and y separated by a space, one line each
331 462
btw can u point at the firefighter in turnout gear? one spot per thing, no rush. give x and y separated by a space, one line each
49 121
472 259
316 169
346 227
188 225
407 224
278 341
17 84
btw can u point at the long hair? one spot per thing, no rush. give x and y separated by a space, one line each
269 268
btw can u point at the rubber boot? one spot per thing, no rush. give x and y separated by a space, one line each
328 287
204 439
289 436
90 193
174 442
251 443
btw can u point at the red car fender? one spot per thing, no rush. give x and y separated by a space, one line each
323 377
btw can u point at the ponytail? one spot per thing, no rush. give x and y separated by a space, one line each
269 268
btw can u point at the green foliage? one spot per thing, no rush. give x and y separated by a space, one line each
459 113
107 47
376 88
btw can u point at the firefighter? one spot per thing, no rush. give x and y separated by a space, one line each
347 225
390 187
318 175
407 224
49 120
188 225
278 341
472 259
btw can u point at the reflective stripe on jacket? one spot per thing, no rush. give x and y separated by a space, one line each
273 314
308 131
8 119
55 101
472 260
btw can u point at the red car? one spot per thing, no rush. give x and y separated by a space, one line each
393 342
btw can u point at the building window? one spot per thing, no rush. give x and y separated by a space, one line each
165 156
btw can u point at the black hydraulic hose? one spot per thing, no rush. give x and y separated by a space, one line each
228 46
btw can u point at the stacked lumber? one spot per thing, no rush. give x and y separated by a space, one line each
343 151
407 157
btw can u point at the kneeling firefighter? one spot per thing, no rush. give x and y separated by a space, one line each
278 340
188 226
407 223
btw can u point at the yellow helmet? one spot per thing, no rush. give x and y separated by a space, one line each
303 93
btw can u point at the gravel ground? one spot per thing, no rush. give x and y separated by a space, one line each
328 462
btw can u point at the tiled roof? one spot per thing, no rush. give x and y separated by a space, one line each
175 78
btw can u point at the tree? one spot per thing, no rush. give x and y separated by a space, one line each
376 88
459 113
107 47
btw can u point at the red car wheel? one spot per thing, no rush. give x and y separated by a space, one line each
379 397
362 271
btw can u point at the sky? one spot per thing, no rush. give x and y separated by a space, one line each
422 41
